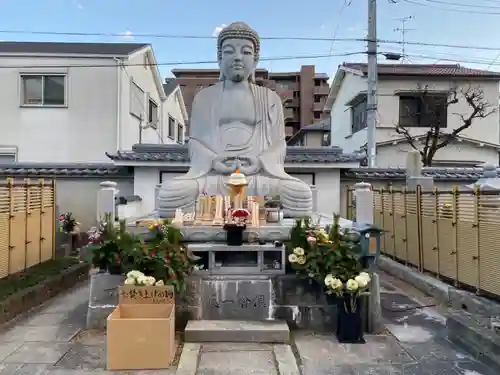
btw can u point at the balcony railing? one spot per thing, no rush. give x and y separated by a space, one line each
321 90
288 114
318 106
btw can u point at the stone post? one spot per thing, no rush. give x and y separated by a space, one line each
414 175
363 196
315 198
106 200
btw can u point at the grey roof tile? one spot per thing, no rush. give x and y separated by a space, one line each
179 154
111 49
62 170
425 70
443 174
323 125
169 86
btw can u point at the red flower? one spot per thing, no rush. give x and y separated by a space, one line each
153 254
241 212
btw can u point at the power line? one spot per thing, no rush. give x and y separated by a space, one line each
464 59
462 4
345 4
450 9
291 38
174 63
438 57
166 36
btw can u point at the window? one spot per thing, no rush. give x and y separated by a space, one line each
358 116
180 133
326 139
153 114
7 158
44 90
171 127
423 111
136 100
281 86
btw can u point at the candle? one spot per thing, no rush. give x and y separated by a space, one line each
208 213
219 207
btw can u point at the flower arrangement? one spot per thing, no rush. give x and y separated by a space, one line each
162 256
138 278
240 216
316 253
351 288
68 223
108 246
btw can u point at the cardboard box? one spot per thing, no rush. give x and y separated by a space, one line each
134 294
141 337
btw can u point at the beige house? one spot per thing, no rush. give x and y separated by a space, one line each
399 92
314 135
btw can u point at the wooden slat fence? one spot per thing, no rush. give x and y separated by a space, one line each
454 235
27 224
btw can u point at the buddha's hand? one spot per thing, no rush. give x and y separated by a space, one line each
219 166
251 165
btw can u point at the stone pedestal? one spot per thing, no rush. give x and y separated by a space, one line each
103 298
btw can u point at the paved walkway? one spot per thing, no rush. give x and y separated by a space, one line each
51 342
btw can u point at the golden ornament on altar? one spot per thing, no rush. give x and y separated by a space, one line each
236 184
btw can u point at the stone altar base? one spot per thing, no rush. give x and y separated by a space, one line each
208 233
301 303
103 298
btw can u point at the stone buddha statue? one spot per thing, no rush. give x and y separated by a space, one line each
236 124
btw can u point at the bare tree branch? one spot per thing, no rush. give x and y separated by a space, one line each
431 111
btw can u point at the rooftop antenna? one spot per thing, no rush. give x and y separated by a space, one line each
403 30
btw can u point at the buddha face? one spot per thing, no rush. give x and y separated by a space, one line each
237 60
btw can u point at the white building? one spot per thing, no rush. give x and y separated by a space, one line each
399 86
72 102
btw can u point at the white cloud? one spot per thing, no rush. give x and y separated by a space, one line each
128 35
218 29
77 4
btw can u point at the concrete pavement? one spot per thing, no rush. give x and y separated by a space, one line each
52 342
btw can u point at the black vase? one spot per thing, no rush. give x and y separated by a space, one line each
234 234
349 321
115 270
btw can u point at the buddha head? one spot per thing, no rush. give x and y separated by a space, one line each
238 47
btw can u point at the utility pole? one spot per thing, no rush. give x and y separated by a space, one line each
371 100
403 30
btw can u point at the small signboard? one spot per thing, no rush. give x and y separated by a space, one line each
372 246
146 295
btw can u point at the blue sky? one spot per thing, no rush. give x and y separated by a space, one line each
312 18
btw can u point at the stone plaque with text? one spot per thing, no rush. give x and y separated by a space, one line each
237 299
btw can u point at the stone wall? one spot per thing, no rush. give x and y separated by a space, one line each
300 302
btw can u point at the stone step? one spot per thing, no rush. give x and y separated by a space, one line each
237 331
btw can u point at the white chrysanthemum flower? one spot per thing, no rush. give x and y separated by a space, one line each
352 285
130 281
298 251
